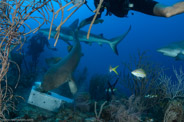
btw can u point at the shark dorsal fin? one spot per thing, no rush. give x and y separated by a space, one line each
74 25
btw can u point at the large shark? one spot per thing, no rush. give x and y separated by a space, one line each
66 35
175 50
61 72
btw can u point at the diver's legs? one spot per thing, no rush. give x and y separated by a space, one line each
168 11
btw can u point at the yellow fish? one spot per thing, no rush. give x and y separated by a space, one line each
113 69
140 73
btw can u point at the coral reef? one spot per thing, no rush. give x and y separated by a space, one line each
124 110
82 101
174 88
174 112
141 86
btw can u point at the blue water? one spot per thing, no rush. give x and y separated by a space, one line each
148 33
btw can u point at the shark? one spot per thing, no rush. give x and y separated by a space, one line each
62 71
174 49
66 35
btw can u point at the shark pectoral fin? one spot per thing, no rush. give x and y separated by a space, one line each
179 56
72 86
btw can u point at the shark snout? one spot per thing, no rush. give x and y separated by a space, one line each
169 52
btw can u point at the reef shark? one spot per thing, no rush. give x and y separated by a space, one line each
61 72
175 50
66 35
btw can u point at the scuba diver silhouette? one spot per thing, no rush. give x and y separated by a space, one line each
120 8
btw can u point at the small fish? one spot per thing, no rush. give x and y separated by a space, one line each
69 48
109 90
150 120
113 69
151 96
140 73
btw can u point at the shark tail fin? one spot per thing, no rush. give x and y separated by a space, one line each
114 69
115 41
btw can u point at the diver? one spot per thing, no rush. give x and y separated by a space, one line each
120 8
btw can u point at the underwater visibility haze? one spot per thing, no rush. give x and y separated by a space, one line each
129 70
